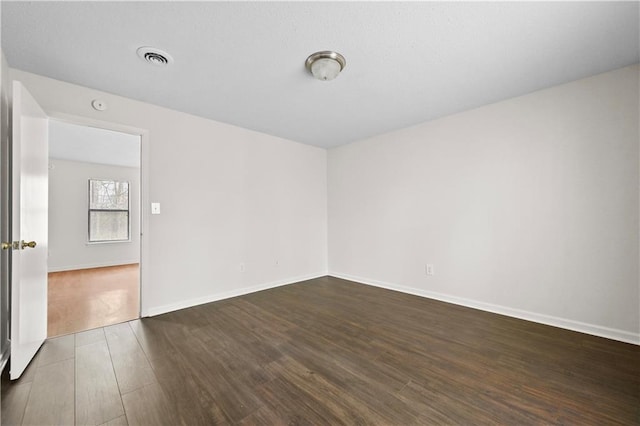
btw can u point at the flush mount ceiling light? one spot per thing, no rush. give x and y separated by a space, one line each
325 65
154 56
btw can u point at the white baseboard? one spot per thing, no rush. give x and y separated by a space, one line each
596 330
157 310
90 265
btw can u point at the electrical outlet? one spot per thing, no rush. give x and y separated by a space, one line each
242 268
428 269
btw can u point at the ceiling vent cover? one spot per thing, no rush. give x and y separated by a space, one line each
154 56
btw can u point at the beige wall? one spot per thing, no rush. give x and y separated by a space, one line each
229 198
527 207
68 204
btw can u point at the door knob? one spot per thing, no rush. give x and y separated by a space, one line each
30 244
6 245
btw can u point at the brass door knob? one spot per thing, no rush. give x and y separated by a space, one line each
30 244
6 245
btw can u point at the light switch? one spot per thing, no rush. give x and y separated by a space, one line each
155 208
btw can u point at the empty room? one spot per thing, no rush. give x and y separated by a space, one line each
384 213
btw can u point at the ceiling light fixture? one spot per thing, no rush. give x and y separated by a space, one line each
325 65
154 56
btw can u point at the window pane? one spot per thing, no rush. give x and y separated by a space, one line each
108 194
108 226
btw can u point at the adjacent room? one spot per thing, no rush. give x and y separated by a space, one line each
93 270
265 213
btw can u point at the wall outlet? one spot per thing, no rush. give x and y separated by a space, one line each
428 269
242 268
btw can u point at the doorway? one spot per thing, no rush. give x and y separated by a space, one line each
94 227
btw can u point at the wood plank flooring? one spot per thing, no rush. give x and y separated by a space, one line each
328 351
83 299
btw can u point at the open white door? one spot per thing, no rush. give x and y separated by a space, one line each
29 229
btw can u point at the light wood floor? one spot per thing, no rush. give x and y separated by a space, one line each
328 352
88 298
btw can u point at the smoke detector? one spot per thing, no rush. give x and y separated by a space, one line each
154 56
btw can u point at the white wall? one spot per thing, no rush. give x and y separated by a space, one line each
68 221
527 207
229 196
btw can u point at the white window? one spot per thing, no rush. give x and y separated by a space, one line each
108 210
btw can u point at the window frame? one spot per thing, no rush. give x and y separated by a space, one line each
90 210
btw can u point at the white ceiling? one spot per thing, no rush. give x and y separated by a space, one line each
91 145
243 62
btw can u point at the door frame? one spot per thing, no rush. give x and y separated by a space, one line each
144 193
6 155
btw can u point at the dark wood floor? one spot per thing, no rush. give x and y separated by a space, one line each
328 351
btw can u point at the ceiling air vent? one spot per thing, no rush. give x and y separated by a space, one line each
154 56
